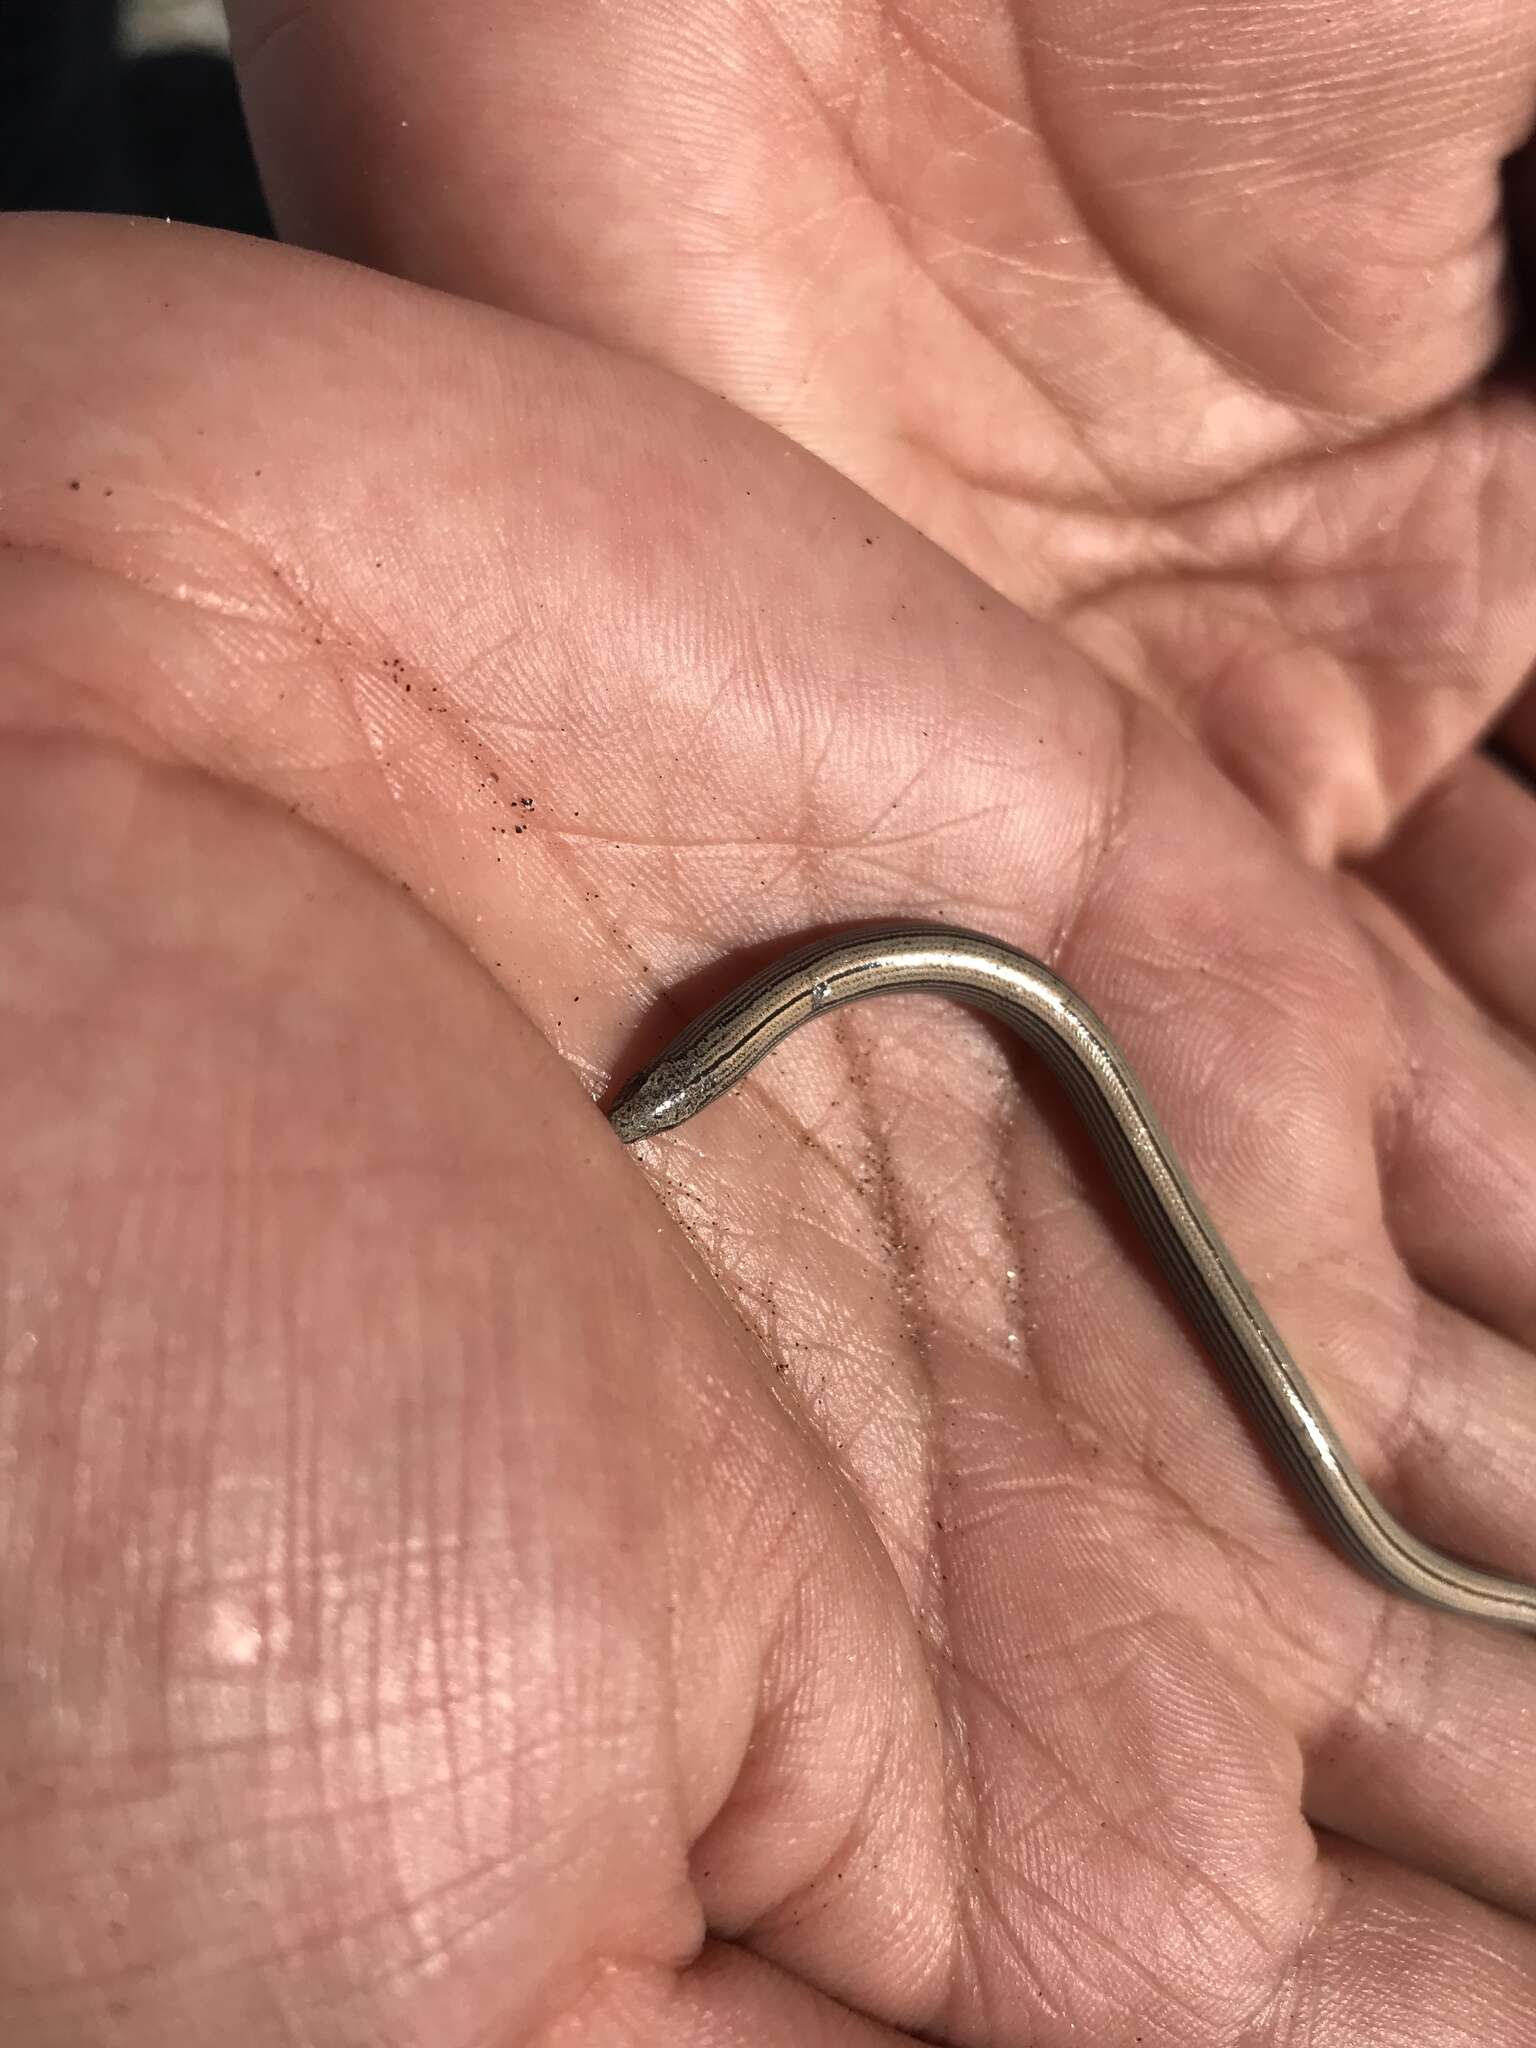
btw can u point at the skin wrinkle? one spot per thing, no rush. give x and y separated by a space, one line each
797 1902
972 1942
437 1635
1465 558
1327 1930
423 1955
1066 506
907 31
776 1921
197 1961
220 598
1401 1429
281 1751
1435 1450
159 746
1096 856
963 1787
1449 812
894 1225
1031 272
1335 1732
1326 1909
1244 1562
1242 581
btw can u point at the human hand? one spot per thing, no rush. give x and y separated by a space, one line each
438 1600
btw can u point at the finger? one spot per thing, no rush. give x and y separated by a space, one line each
727 1998
1517 734
1462 872
1420 1733
1394 1955
1456 1135
1432 1742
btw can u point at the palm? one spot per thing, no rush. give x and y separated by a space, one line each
954 1689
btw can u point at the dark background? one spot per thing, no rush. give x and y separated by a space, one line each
82 128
